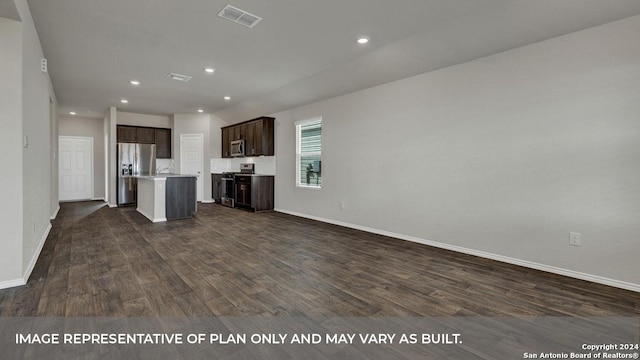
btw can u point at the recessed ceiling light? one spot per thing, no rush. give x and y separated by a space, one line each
72 112
200 110
363 40
124 101
209 70
134 82
227 98
179 77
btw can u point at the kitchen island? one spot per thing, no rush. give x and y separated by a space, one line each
165 197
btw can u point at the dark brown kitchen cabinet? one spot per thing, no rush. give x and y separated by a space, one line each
163 143
239 132
257 134
126 134
226 142
264 141
250 136
135 134
259 137
254 192
216 187
146 135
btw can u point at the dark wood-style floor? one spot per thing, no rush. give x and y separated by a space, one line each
114 262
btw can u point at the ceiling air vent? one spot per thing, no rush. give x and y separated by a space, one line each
238 16
178 77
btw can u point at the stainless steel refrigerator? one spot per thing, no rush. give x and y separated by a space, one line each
133 159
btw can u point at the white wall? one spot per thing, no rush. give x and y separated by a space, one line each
194 124
216 124
27 100
10 145
134 119
36 124
501 157
93 128
54 204
110 136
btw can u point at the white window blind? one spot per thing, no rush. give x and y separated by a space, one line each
309 153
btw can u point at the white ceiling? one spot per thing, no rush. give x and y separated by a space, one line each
302 51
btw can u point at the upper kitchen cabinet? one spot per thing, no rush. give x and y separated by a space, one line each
263 140
146 135
238 132
135 134
163 143
257 134
226 142
126 134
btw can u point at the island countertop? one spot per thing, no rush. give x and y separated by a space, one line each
160 176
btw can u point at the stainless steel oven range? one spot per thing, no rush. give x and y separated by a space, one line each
236 189
227 197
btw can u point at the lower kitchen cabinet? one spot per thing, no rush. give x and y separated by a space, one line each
180 197
216 187
254 192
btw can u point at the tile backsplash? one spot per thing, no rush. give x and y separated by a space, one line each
164 166
265 165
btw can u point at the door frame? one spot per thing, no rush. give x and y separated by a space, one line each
92 173
200 179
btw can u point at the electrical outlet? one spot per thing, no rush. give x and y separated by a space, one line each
575 239
343 204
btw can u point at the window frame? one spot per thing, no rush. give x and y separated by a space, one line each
300 183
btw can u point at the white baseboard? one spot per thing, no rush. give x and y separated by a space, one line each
36 255
151 217
55 213
112 205
98 199
505 259
11 283
32 263
208 201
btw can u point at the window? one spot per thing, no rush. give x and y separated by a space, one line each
309 153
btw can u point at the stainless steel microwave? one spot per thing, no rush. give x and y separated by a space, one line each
237 148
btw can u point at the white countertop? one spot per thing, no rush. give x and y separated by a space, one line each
159 176
239 174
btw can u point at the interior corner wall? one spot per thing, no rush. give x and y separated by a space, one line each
11 213
110 136
54 204
36 126
93 128
500 157
215 147
194 124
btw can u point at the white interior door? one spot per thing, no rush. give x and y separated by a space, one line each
75 168
191 158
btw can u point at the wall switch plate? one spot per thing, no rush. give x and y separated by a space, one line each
343 205
575 239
